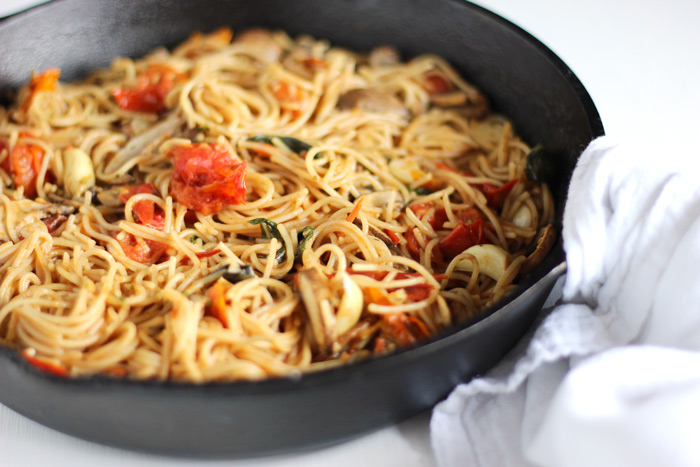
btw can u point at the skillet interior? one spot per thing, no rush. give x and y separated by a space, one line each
522 79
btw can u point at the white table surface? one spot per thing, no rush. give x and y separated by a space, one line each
639 61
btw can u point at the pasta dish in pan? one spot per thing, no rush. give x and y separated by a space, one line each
248 206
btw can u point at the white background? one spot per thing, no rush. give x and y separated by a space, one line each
637 59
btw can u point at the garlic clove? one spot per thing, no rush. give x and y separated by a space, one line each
78 172
492 260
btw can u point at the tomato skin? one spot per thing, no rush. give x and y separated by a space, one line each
392 236
495 196
436 84
419 209
145 252
145 212
418 292
46 367
150 92
148 214
462 237
23 164
438 218
470 215
128 192
412 244
206 178
207 254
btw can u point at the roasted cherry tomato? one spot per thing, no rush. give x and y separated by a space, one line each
145 212
462 237
206 178
23 164
496 195
151 90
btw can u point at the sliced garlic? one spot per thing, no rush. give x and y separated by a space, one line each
350 307
522 217
492 260
406 170
316 296
78 172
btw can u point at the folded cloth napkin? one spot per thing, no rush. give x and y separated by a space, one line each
611 375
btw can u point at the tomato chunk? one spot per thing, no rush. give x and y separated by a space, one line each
208 253
418 292
23 164
470 215
462 237
438 218
435 83
412 243
495 195
129 191
151 90
206 178
145 212
51 368
145 252
403 329
414 293
290 97
419 209
45 81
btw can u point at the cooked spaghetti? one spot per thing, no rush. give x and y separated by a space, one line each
255 205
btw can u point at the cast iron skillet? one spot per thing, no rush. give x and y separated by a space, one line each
523 80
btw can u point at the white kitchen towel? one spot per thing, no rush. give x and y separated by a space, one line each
611 376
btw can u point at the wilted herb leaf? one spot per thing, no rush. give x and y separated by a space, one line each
293 144
303 238
270 230
246 272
